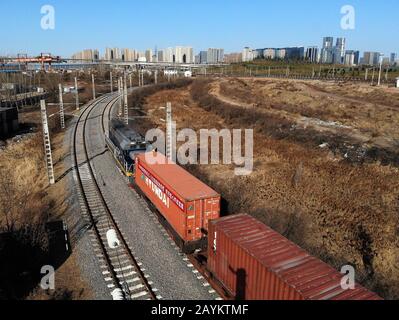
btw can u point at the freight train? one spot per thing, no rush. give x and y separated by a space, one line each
242 257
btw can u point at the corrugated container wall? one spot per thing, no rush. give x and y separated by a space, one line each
253 262
184 201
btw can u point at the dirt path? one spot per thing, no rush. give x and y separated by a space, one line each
314 91
332 127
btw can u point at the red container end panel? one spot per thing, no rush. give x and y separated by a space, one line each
253 262
185 202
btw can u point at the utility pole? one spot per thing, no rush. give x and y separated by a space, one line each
156 77
47 143
93 86
112 84
366 75
170 132
120 96
142 78
379 74
77 94
62 115
126 109
130 80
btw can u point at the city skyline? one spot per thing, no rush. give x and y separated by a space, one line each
229 27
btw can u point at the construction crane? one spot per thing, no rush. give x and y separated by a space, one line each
44 58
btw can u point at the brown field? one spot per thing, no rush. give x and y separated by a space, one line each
326 164
26 204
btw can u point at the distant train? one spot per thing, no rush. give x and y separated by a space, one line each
125 144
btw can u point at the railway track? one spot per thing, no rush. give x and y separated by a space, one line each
124 276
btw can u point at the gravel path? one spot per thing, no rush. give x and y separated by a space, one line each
167 268
78 229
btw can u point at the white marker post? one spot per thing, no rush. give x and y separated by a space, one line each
47 143
170 132
120 96
126 108
77 94
112 82
93 86
62 114
379 74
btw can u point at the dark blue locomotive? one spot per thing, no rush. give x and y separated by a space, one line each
124 144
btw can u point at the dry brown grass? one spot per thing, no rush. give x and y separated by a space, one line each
30 203
339 211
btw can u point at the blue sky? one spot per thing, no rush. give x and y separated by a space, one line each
231 24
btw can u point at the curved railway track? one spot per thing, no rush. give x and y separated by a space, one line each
125 276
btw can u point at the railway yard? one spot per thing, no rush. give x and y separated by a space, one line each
325 177
145 276
226 166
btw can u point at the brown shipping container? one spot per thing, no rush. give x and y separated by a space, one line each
253 262
185 202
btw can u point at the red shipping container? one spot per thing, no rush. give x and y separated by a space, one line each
185 202
253 262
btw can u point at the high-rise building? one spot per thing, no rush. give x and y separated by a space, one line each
349 59
129 55
235 57
371 58
357 57
327 51
328 42
148 55
312 54
247 54
203 57
161 55
141 56
295 53
113 54
215 55
183 55
281 54
88 54
339 51
169 55
269 53
178 55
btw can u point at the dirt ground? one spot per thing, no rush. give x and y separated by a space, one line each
342 210
365 114
31 202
